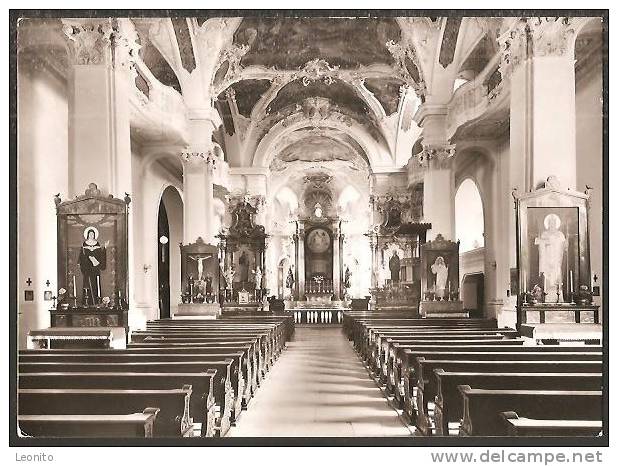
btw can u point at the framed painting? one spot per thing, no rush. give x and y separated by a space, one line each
440 269
553 255
92 249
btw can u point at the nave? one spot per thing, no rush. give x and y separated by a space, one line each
319 388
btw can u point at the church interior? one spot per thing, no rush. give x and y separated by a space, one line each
306 226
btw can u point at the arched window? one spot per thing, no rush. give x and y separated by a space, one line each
469 220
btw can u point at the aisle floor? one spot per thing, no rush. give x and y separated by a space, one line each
319 388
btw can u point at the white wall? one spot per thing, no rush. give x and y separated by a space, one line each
149 183
589 126
42 172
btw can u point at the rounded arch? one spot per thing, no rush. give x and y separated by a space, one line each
469 216
374 151
169 285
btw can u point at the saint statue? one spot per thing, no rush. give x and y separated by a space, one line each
229 277
258 278
394 264
289 281
440 270
552 244
92 259
346 277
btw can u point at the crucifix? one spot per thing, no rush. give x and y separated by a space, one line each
48 283
29 281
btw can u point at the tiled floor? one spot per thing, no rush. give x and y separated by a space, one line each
319 388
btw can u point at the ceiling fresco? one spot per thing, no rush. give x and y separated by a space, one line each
386 91
337 92
289 43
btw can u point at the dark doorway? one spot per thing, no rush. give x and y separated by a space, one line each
163 236
473 293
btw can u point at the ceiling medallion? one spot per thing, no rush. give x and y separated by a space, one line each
318 69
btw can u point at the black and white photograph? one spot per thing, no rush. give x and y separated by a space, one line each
309 228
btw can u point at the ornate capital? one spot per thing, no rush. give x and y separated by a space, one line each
194 156
125 43
535 37
435 156
90 39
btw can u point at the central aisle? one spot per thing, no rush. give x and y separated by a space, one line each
319 388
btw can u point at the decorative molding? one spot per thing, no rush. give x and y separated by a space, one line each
535 37
196 156
90 39
437 156
400 53
318 70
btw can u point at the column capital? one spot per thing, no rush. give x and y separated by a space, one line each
536 37
435 156
201 156
89 40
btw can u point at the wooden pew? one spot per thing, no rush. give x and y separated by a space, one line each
426 367
119 356
256 358
409 352
134 425
223 390
249 360
173 419
448 401
482 408
202 405
525 427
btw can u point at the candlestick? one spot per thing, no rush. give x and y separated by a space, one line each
571 281
524 280
98 288
74 288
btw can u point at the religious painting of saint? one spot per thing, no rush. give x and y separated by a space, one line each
553 245
92 260
440 270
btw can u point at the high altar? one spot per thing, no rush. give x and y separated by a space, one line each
395 251
242 250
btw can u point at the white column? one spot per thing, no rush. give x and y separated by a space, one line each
100 81
198 197
438 189
538 58
336 263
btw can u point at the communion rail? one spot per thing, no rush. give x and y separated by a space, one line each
318 316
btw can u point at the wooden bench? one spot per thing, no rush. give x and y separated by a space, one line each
426 367
118 357
223 390
173 419
525 427
408 353
134 425
448 402
202 405
482 408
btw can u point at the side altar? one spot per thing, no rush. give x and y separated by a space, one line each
199 271
554 299
395 248
92 262
440 279
242 252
